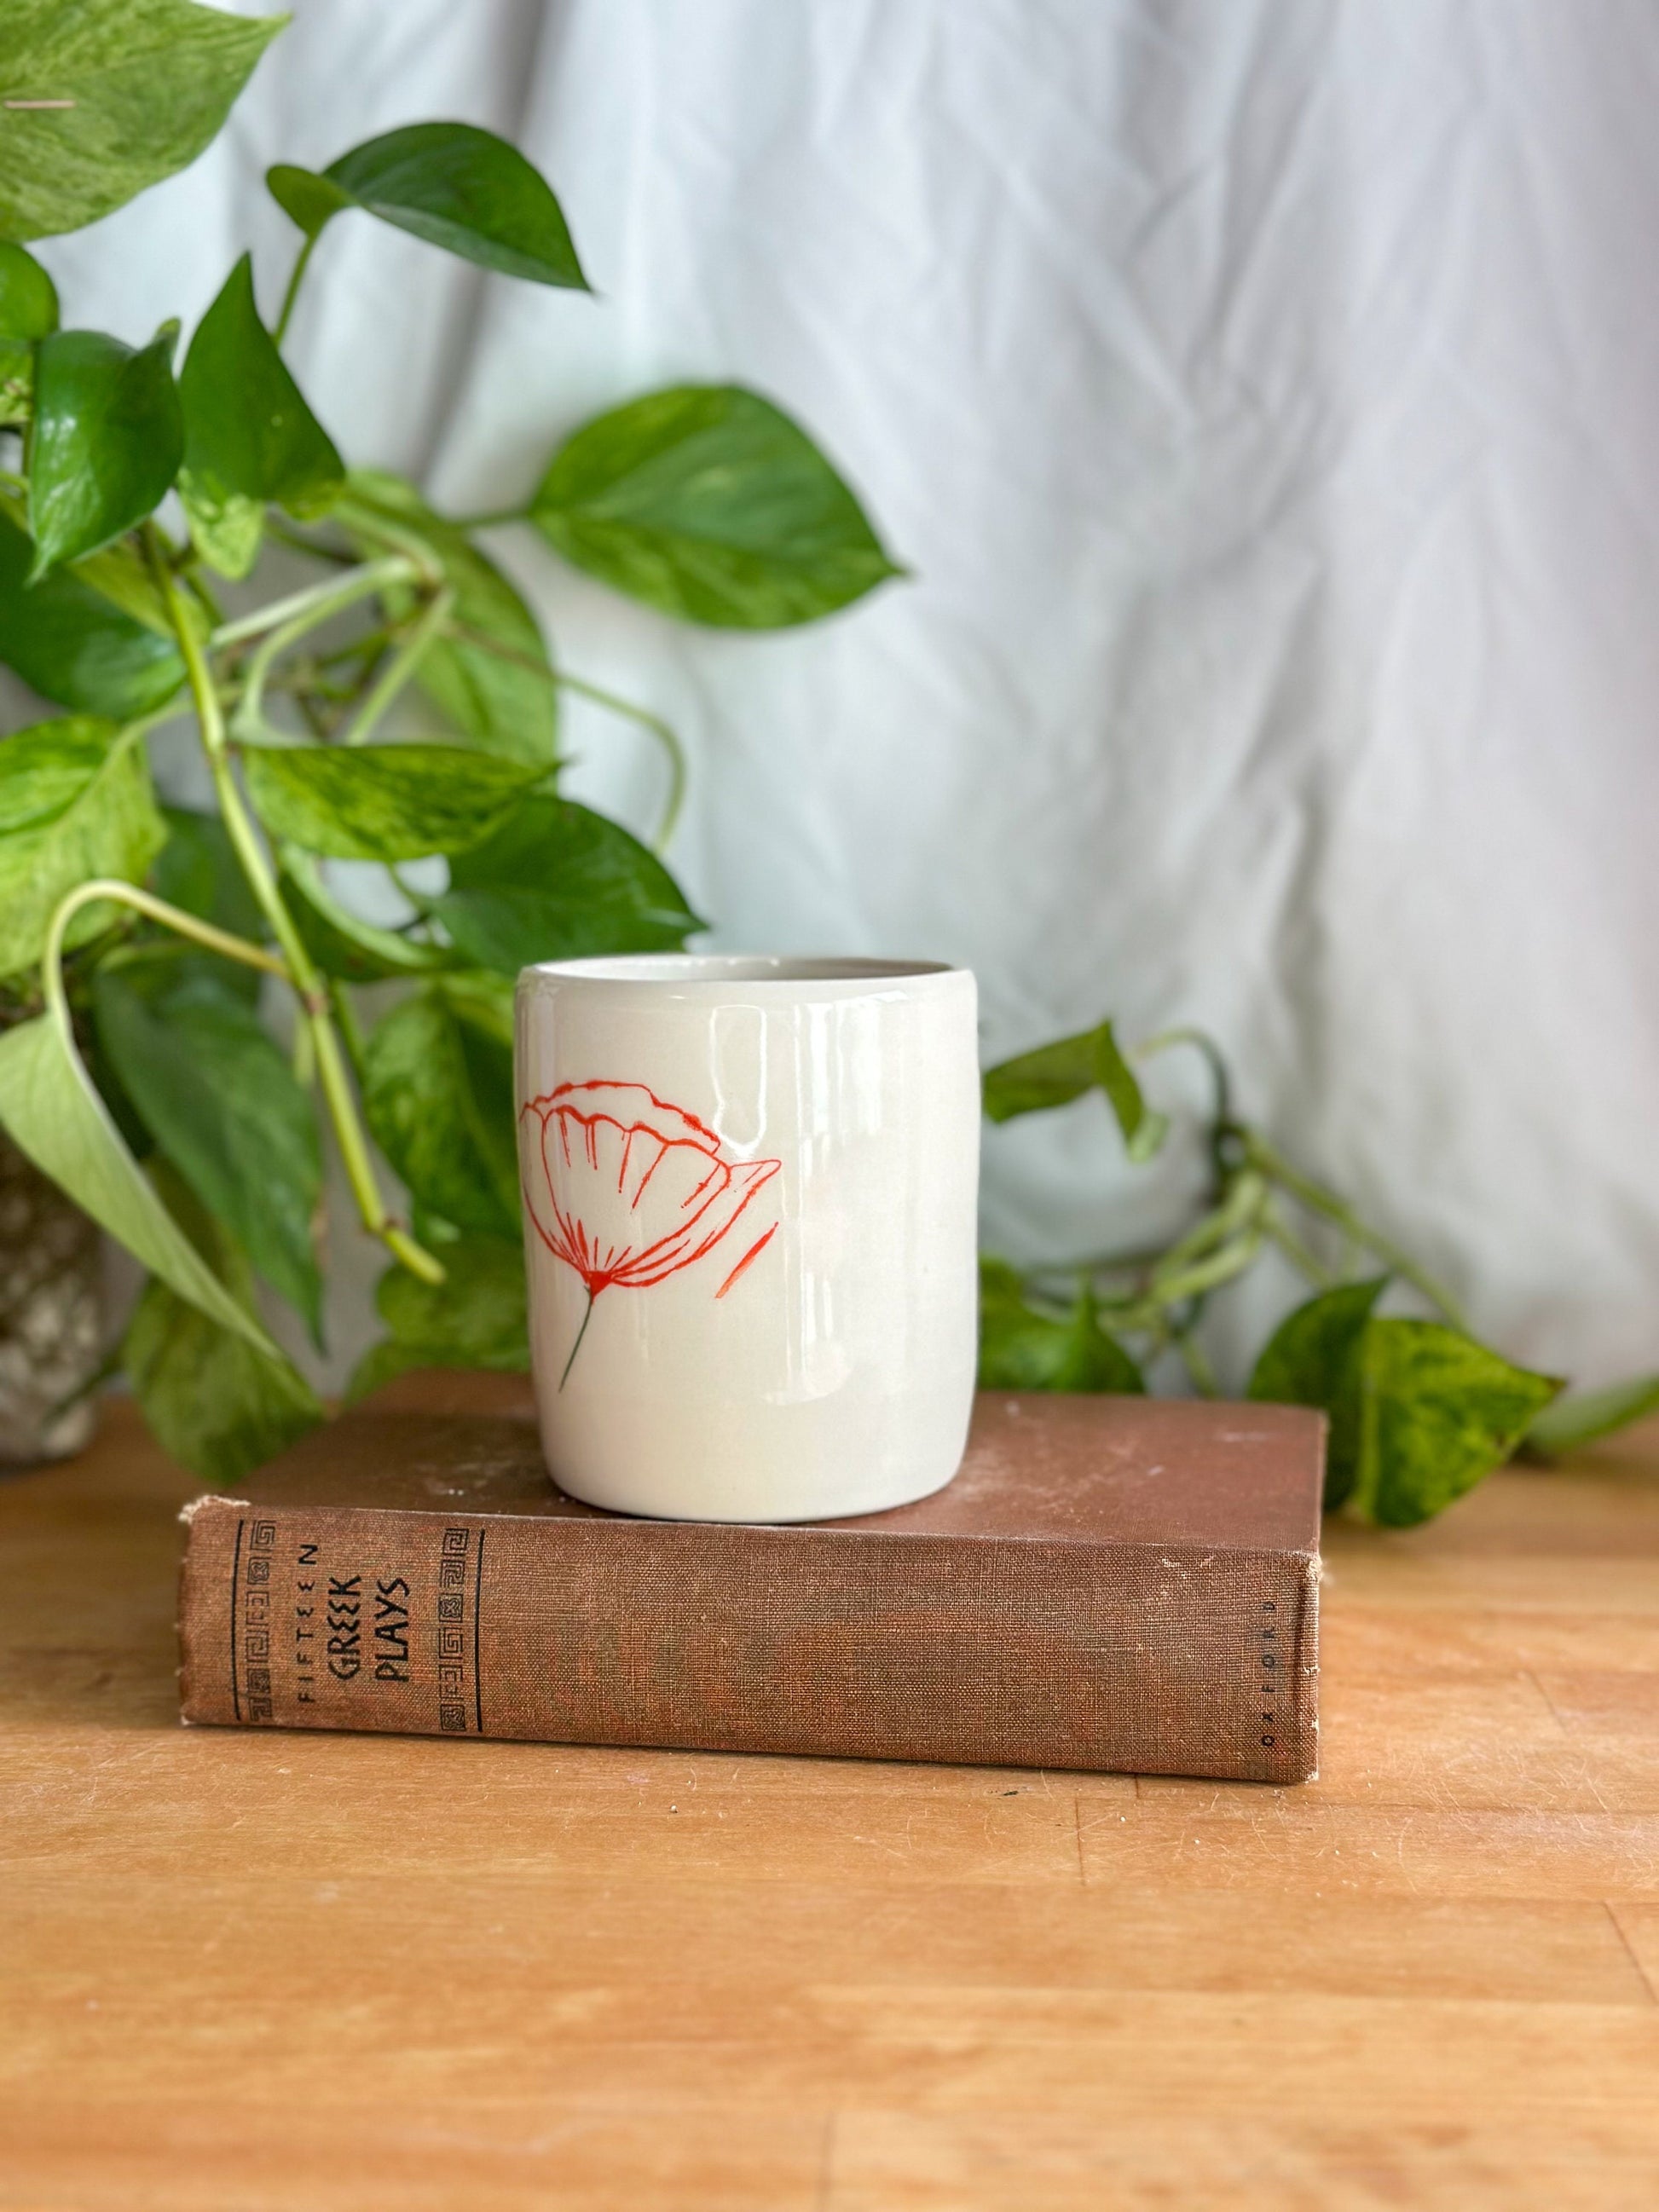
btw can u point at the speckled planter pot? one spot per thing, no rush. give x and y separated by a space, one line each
50 1315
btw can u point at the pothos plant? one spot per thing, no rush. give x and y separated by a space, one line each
141 943
1420 1409
142 946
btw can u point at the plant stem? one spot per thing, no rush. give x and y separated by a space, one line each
292 294
401 666
1101 1263
365 649
659 728
1209 1273
1300 1256
1221 1118
171 917
131 732
1317 1200
389 569
368 522
323 602
303 972
284 535
421 904
203 594
346 1015
1239 1208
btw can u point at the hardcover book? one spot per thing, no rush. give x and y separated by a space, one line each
1112 1583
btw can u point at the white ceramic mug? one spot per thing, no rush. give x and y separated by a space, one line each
749 1188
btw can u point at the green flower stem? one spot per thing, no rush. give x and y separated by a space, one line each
660 729
310 610
401 666
308 983
171 917
1317 1200
588 1315
290 298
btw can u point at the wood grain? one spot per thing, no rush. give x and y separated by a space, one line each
289 1973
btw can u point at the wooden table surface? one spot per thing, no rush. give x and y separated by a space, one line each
278 1971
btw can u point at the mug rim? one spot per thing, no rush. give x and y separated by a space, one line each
774 971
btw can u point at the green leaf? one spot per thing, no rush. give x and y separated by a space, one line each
1440 1412
478 1308
75 803
340 943
28 298
709 503
151 81
1020 1349
217 1405
16 381
485 1002
474 1318
107 440
494 680
70 639
382 802
1056 1073
451 183
306 199
51 1111
1315 1358
556 882
222 1101
438 1093
250 439
1588 1415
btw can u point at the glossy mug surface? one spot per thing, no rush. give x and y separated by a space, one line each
749 1191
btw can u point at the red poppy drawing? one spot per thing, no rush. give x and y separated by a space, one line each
633 1189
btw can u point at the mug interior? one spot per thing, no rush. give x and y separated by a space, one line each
737 968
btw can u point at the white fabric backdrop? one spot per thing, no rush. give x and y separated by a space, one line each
1266 397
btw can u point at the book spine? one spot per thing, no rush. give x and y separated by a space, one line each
1133 1658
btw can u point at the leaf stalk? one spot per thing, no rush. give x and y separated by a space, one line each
660 729
331 1074
401 666
290 298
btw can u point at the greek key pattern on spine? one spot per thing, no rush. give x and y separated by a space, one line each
252 1627
460 1573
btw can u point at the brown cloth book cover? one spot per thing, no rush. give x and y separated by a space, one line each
1115 1583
